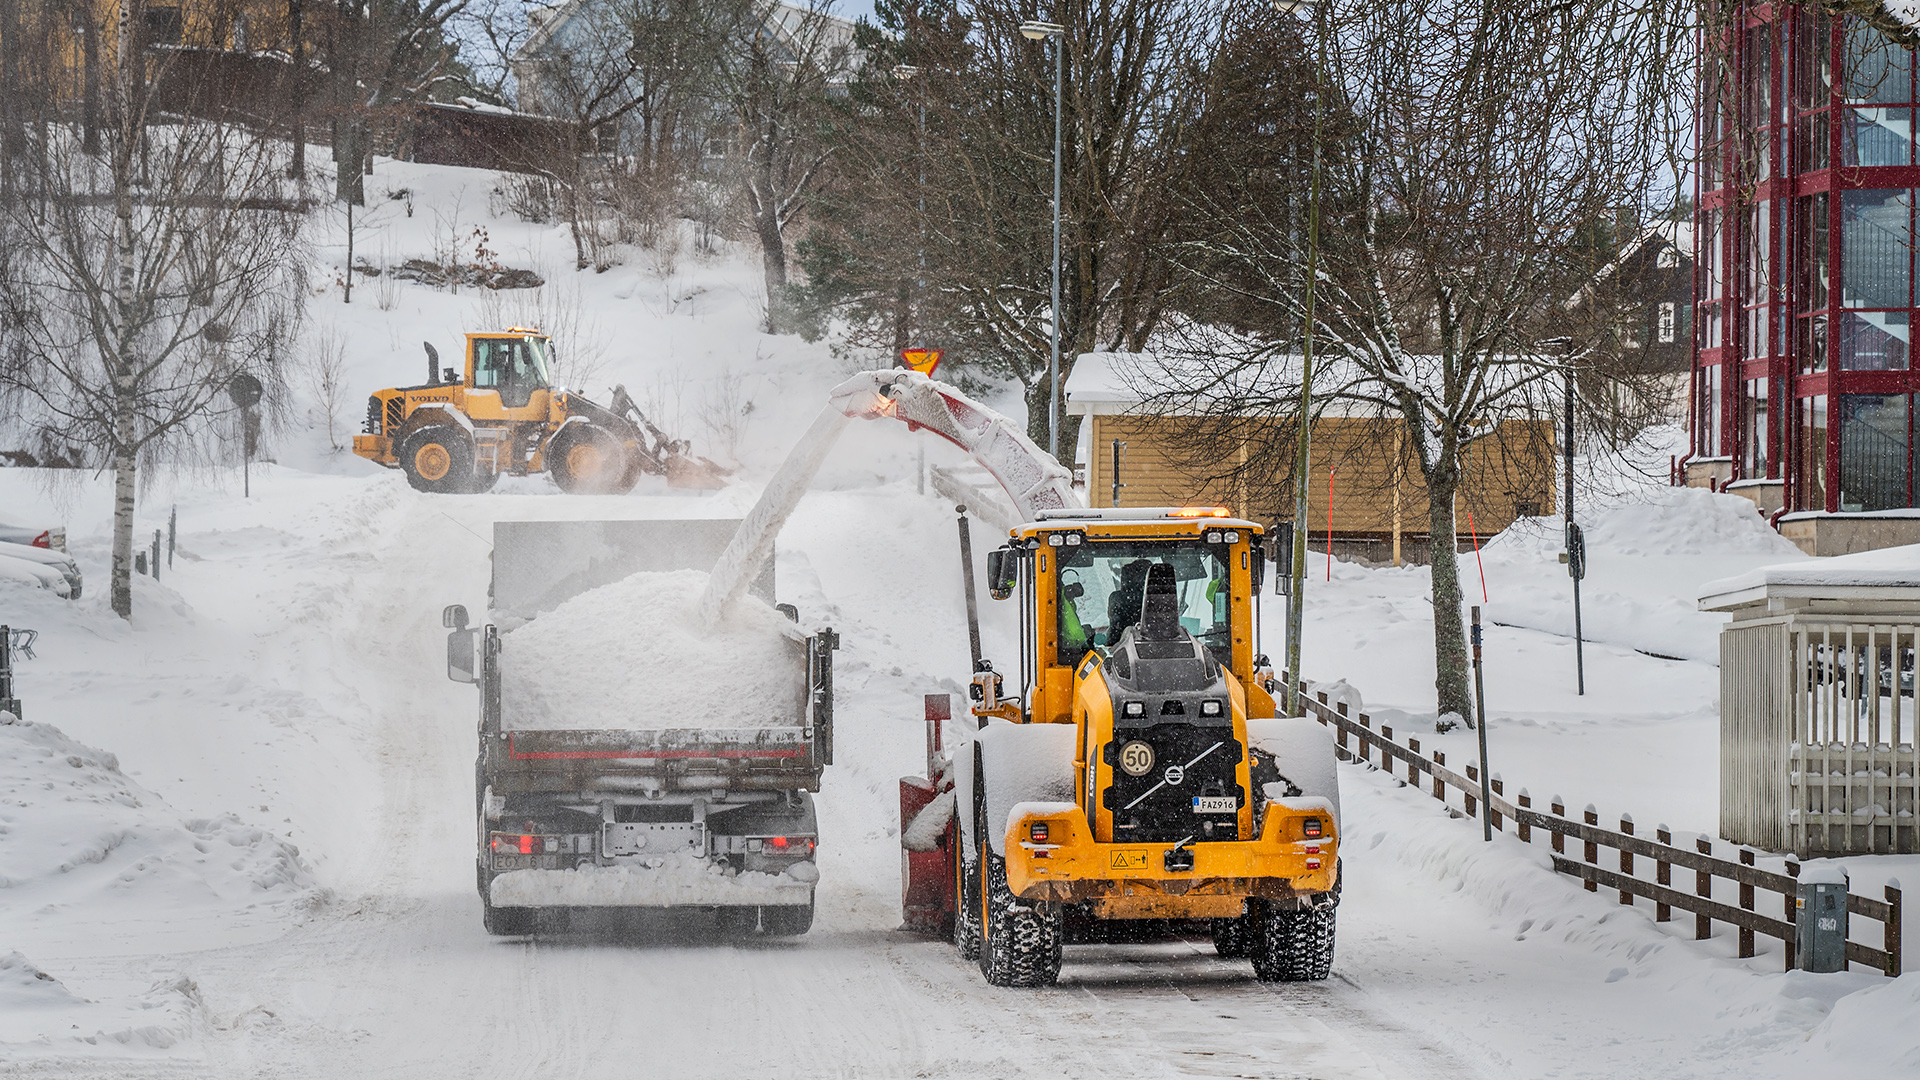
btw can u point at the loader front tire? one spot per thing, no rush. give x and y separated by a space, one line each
966 913
1292 945
438 459
1023 937
587 460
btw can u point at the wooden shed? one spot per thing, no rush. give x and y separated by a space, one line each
1362 465
1817 717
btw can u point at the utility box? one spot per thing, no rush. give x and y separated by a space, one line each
1820 910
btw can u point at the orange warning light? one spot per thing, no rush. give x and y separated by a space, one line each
921 360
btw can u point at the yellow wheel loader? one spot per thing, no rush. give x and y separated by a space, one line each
456 433
1137 769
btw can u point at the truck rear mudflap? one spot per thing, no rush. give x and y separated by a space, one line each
676 882
1051 855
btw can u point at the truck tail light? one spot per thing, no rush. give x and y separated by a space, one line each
1311 828
787 845
1038 832
523 843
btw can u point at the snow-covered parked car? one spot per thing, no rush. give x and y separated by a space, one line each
32 536
43 567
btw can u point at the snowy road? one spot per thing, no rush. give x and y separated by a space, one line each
391 974
289 672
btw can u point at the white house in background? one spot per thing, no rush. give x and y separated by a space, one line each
574 28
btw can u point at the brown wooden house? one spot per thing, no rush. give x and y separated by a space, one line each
1377 494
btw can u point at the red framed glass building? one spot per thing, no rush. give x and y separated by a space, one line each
1806 392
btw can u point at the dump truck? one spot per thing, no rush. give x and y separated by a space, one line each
1132 763
500 415
640 802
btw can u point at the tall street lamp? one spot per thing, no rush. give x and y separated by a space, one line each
1041 31
1303 451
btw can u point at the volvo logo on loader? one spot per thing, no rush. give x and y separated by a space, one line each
1175 774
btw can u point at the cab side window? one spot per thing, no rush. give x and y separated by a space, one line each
488 361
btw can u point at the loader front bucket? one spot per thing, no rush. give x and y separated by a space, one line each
684 471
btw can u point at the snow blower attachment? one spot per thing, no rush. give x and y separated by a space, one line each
456 434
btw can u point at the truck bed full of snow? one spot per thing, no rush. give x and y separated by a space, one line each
629 656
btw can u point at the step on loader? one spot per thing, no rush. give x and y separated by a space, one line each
459 434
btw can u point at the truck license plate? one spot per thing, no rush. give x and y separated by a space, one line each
1214 804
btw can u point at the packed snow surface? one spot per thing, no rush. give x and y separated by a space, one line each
632 656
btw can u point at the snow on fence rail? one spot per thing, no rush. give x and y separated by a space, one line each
1634 851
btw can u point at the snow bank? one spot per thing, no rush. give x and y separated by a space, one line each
24 986
1872 1027
1666 522
678 881
76 833
631 656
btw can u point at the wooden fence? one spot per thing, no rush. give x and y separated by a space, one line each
1356 739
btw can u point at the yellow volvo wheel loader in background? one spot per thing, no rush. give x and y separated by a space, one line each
456 434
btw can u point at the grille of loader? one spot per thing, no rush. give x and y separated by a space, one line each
1151 808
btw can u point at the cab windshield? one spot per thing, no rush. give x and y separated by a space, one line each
515 366
1102 586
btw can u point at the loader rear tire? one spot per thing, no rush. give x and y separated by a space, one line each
438 459
587 460
1023 937
1292 945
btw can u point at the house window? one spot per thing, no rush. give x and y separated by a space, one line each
163 26
1663 327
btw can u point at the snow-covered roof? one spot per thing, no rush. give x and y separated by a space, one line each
1886 574
1107 383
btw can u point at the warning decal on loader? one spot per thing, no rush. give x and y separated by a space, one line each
1128 860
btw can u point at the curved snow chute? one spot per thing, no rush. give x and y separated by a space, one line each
1030 475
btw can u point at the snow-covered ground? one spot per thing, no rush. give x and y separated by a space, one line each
261 864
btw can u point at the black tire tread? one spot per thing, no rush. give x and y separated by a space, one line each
1023 937
1293 945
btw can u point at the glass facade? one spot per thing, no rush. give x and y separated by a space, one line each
1805 227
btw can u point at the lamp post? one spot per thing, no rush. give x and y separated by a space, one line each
1576 543
1303 451
1041 31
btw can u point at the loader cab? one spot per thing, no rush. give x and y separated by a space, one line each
508 375
1082 575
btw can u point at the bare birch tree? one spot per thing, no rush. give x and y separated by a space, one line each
137 286
1481 147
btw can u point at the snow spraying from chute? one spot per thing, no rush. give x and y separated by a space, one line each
1030 475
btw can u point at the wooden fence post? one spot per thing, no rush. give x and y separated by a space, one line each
1366 741
1559 839
1746 904
1473 801
1663 873
1626 857
1386 755
1439 786
1520 825
1592 817
1702 886
1792 912
1890 940
1493 812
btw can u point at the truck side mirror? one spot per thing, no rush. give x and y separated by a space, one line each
1258 575
460 652
454 617
1003 572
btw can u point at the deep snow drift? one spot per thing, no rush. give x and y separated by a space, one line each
632 656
